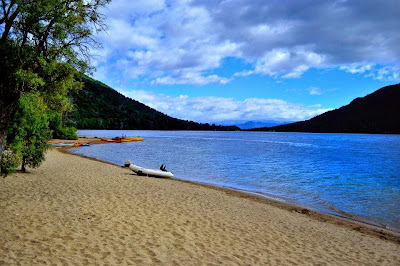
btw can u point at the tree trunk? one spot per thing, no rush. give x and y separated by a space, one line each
8 105
3 139
23 169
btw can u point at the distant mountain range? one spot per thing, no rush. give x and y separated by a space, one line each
253 124
97 106
378 112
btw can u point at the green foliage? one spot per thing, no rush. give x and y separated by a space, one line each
66 133
44 44
98 106
60 132
55 124
69 133
51 30
10 162
30 130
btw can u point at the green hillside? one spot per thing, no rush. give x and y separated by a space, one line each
97 106
378 112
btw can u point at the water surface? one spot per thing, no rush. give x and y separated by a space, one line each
352 175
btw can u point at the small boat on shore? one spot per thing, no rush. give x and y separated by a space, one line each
148 172
67 144
60 144
123 139
134 139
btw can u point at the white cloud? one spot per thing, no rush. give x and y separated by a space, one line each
219 109
285 63
167 41
283 40
189 78
387 73
357 68
315 91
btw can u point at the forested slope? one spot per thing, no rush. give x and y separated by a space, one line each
97 106
378 112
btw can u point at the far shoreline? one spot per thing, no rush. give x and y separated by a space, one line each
360 225
254 130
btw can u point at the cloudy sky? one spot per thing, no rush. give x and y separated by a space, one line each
242 60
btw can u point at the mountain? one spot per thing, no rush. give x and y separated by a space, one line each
258 124
97 106
378 112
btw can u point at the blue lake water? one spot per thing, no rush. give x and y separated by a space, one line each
352 175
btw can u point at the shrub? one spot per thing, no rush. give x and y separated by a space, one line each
10 162
69 133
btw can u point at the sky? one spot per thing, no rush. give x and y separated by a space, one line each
248 60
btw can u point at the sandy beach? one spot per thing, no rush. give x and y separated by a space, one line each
74 210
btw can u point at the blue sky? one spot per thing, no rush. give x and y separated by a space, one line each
241 60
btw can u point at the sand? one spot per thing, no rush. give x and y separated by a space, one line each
74 210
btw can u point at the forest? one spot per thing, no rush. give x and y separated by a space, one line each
97 106
376 113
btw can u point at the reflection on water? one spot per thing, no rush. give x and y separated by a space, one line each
348 174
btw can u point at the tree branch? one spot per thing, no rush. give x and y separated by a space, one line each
9 23
5 15
12 3
4 8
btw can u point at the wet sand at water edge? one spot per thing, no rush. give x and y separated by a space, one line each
80 211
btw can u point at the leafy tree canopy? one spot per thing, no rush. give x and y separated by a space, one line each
43 45
30 131
43 42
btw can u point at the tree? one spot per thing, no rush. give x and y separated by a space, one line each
30 131
60 131
43 45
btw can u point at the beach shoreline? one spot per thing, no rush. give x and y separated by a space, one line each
78 210
360 225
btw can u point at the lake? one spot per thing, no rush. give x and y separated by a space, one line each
351 175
